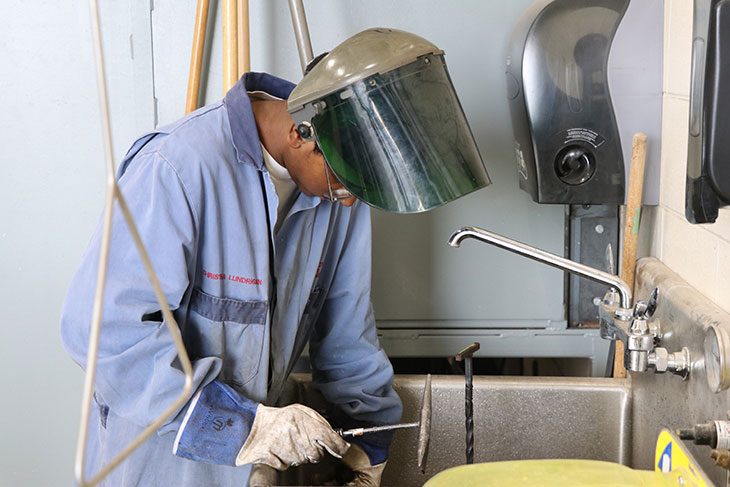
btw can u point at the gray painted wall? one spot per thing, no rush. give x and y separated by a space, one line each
51 192
51 188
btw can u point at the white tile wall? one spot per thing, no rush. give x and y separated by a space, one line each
722 226
690 251
698 253
722 293
675 112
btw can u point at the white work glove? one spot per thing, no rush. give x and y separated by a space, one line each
366 475
262 476
289 436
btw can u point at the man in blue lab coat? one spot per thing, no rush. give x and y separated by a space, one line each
256 257
260 250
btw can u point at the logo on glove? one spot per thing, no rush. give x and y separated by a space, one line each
219 423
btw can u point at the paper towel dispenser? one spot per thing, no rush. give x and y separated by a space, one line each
567 142
708 151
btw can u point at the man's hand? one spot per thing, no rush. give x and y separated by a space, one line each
289 436
366 475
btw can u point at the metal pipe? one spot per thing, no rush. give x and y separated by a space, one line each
196 58
113 193
374 429
230 44
546 258
301 32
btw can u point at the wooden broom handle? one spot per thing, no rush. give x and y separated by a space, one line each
244 49
196 59
230 44
631 232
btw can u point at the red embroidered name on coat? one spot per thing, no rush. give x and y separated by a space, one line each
232 277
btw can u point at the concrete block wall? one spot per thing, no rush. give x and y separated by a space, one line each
698 253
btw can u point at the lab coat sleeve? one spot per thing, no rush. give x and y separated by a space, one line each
138 374
349 367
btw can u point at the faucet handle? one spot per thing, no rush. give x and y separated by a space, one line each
651 305
640 309
645 310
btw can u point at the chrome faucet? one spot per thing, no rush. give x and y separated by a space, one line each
634 328
546 258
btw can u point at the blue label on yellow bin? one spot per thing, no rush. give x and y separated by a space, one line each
664 463
671 455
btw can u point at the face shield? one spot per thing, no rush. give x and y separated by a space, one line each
384 112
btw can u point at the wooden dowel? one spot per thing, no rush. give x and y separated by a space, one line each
196 58
631 231
230 44
244 43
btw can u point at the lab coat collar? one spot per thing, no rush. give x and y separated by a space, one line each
243 126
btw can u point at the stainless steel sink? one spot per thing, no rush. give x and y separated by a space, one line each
515 418
616 420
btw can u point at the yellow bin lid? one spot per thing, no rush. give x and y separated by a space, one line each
558 473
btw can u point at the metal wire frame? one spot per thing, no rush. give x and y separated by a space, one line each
113 193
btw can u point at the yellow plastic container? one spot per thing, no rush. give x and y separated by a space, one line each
558 473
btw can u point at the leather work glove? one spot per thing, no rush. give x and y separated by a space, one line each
262 476
366 475
289 436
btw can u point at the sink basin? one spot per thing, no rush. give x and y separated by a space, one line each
515 418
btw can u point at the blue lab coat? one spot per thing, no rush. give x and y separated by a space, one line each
205 205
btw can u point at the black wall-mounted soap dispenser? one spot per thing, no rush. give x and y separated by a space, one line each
708 151
567 141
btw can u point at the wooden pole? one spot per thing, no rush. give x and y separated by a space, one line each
230 44
196 59
244 43
631 232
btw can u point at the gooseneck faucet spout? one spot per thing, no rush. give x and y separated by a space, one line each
546 258
617 320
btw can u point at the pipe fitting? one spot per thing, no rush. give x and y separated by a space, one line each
678 362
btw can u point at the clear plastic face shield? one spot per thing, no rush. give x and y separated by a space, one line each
383 110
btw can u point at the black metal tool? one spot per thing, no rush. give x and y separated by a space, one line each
466 356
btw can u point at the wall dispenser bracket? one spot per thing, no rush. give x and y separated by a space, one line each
708 151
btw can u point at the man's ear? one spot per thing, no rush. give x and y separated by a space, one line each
293 138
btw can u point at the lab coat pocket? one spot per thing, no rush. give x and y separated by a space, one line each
230 329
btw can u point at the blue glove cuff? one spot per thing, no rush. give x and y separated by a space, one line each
376 454
216 425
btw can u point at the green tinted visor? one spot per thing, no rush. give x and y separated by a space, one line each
400 141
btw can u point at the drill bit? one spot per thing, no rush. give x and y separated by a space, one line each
466 356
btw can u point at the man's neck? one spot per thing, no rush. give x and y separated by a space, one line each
271 122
